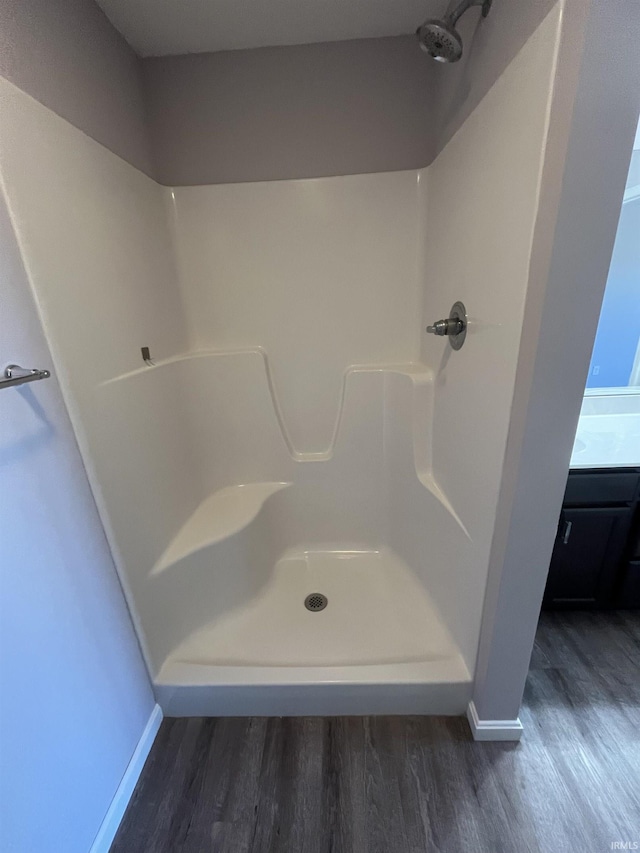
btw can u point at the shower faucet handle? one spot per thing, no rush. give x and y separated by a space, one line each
455 326
445 327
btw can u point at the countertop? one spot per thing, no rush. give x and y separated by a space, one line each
608 434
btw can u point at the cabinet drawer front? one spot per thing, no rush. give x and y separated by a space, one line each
599 489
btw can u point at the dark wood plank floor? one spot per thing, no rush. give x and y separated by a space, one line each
396 784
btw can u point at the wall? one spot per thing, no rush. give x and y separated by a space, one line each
340 257
483 260
592 123
312 110
224 25
633 179
616 342
75 695
368 105
290 112
121 274
479 232
321 273
95 239
68 56
490 45
47 163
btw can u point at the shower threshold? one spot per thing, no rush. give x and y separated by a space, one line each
377 646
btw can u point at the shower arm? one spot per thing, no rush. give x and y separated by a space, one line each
453 16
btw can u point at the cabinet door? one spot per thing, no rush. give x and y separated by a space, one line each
586 556
629 594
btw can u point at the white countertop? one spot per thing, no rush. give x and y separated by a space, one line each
608 433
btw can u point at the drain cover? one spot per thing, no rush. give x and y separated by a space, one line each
315 601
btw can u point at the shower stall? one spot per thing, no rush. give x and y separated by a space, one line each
298 484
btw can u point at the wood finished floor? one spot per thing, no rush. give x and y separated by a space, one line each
396 784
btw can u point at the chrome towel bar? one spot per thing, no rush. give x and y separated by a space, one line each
16 375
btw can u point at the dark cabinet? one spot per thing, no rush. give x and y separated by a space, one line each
589 546
596 557
629 592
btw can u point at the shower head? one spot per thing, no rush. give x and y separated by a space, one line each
440 39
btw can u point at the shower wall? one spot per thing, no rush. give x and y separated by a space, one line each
286 320
491 44
481 214
97 236
93 235
322 274
481 210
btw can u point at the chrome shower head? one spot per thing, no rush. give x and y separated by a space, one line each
440 39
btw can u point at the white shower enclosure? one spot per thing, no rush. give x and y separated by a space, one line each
297 431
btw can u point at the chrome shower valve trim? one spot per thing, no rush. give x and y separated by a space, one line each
454 326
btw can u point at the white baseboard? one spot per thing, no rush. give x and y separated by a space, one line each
114 815
492 729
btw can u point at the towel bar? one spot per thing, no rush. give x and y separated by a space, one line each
16 375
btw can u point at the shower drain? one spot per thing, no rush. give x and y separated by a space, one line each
315 601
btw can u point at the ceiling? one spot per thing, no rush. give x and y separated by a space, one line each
161 27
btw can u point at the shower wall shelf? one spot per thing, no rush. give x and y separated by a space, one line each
16 375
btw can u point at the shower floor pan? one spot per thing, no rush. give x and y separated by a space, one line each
378 646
